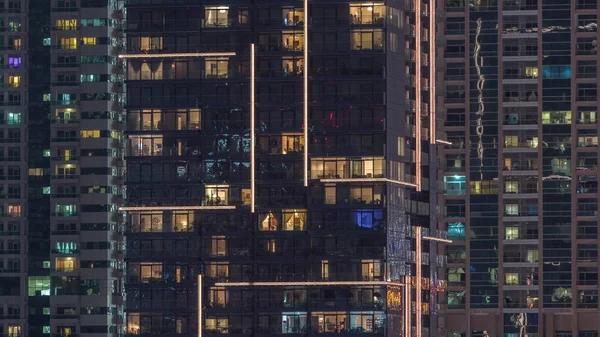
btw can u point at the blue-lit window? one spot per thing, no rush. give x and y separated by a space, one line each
455 185
557 72
456 231
367 218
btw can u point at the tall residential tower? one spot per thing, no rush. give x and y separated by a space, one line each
283 151
521 174
61 262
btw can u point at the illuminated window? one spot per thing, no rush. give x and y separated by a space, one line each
133 323
151 271
14 210
330 195
324 270
511 279
218 270
46 329
182 221
38 286
90 133
46 153
65 264
456 276
511 141
216 195
146 145
46 190
14 118
216 68
65 115
587 141
531 72
218 246
511 187
511 233
532 256
14 81
217 325
511 209
216 16
218 297
66 210
366 40
456 230
371 270
292 40
294 220
36 172
16 44
67 24
47 97
293 322
401 146
587 117
367 14
14 331
68 43
14 26
147 222
66 247
455 185
88 40
14 62
556 117
293 16
269 222
115 135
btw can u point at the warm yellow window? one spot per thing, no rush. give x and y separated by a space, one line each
36 171
89 40
115 134
68 43
68 24
90 133
65 263
511 141
17 44
512 278
512 233
14 81
531 72
511 186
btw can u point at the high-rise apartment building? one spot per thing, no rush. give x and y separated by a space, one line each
61 262
520 175
283 151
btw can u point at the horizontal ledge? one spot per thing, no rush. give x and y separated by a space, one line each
431 238
441 141
138 56
300 284
174 208
368 180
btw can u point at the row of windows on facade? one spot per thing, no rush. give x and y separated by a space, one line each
224 17
522 47
525 116
364 39
461 5
226 67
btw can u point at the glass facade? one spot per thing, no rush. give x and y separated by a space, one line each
300 214
520 113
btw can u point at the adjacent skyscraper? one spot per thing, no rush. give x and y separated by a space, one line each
520 177
61 262
283 151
